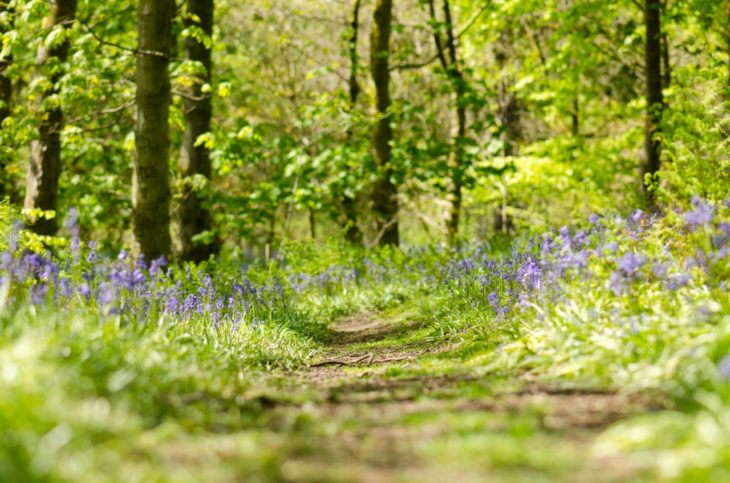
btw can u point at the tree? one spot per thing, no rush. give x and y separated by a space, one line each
6 85
44 167
195 155
450 62
727 39
654 96
6 60
150 184
349 212
385 193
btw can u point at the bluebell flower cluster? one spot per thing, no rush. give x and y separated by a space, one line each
611 252
133 290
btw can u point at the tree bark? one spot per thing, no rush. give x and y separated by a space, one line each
385 193
6 88
44 167
195 160
508 111
654 97
666 62
348 218
727 38
353 84
312 224
150 184
452 67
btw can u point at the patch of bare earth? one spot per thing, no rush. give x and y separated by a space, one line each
351 388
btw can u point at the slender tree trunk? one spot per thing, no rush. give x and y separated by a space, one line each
44 168
666 62
195 159
312 224
150 186
457 170
727 37
654 97
354 85
451 65
508 110
385 193
6 86
575 117
348 217
6 89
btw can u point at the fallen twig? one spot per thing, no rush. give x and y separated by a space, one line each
370 360
343 362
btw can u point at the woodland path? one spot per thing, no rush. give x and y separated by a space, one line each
383 402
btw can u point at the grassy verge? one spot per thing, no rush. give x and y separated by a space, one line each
115 370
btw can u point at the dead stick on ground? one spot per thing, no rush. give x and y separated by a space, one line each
342 362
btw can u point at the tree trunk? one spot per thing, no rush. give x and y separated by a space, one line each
44 168
456 76
654 97
312 224
6 86
195 160
666 63
6 89
727 37
150 185
385 193
348 218
508 111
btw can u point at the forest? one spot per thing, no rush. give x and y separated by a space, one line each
364 240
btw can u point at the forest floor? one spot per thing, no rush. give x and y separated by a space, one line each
383 402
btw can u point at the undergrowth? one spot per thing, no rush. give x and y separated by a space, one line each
98 354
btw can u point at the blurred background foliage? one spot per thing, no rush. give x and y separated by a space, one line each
554 99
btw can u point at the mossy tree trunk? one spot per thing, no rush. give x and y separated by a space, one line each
195 218
385 193
44 167
727 38
348 215
150 186
654 98
448 56
6 88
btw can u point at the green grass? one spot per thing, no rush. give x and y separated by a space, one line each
580 383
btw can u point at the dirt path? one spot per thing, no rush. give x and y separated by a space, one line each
384 403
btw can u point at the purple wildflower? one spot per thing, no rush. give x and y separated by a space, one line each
38 294
607 249
637 216
660 270
91 257
14 234
630 264
530 274
701 214
617 283
678 280
493 300
72 224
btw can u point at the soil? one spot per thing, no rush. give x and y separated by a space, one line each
386 406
